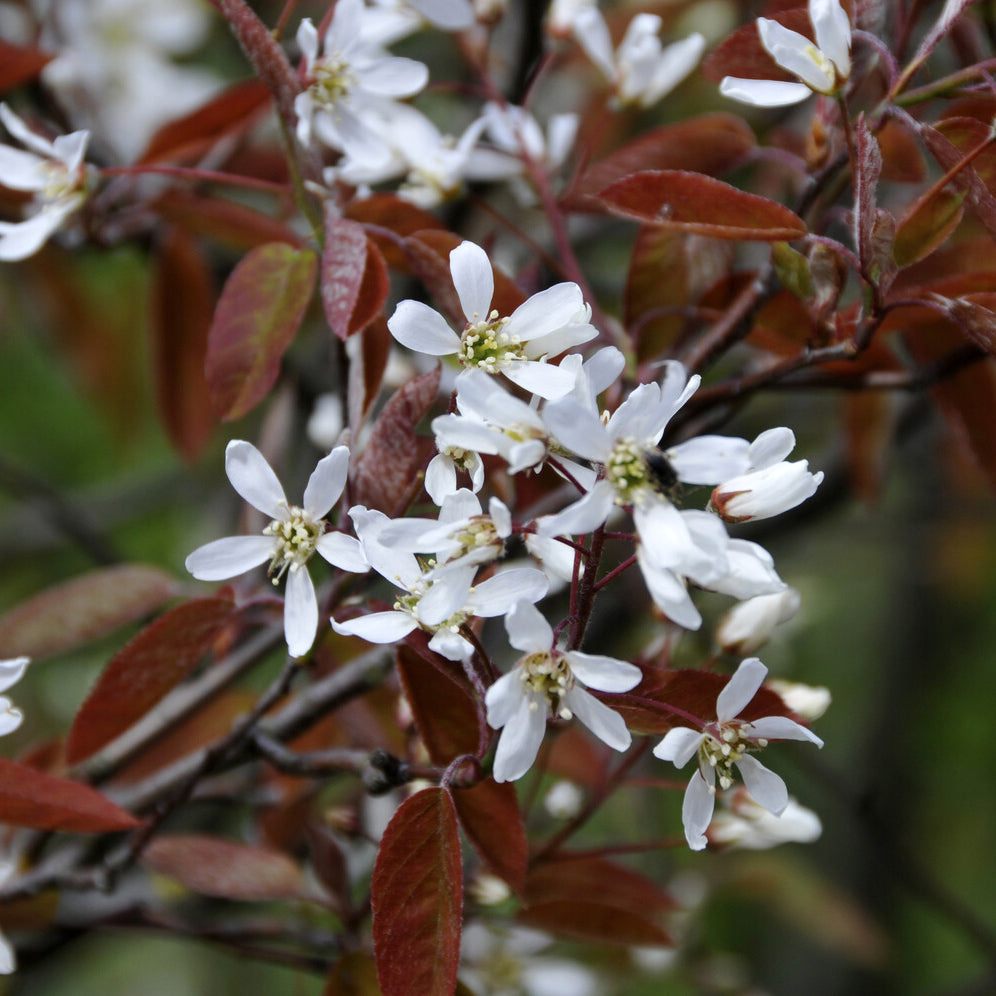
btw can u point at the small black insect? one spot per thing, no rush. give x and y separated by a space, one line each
660 469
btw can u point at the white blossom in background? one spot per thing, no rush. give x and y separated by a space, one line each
822 68
748 625
641 70
564 800
11 672
353 80
807 701
727 743
770 484
53 172
114 69
742 824
388 21
548 323
438 600
548 682
289 541
325 423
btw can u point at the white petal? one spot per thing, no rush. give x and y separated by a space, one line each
579 429
326 483
22 170
440 476
764 93
604 722
696 811
254 479
528 629
229 557
503 698
11 671
519 741
447 596
8 960
740 689
22 239
451 645
780 728
393 76
771 447
607 674
473 279
544 379
378 627
833 33
307 42
668 592
10 717
679 745
593 36
343 551
546 312
709 459
498 594
418 327
300 612
29 139
584 516
765 787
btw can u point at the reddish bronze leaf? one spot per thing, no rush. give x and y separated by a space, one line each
386 476
742 54
182 306
976 316
366 371
902 154
595 899
441 701
697 203
227 869
711 143
396 215
490 817
354 277
31 798
927 223
18 65
417 898
226 222
193 134
258 315
75 612
142 672
868 169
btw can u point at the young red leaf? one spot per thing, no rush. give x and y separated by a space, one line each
741 54
75 612
712 143
927 223
143 671
396 215
697 203
354 279
868 169
225 222
598 900
31 798
490 817
366 371
976 316
227 869
417 898
386 475
441 701
261 307
18 65
193 134
181 308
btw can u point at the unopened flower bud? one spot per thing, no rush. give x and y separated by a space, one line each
749 624
564 800
807 701
745 825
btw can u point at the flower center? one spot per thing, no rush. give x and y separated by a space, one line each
548 674
408 602
824 66
333 80
487 345
478 534
294 541
627 469
722 747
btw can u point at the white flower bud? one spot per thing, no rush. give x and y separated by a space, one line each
564 800
808 701
747 826
749 625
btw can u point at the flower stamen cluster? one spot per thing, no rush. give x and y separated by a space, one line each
487 345
295 540
627 470
548 675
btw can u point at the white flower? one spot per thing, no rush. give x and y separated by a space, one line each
749 624
641 70
808 701
10 716
727 742
551 321
564 800
54 172
823 67
770 485
289 541
438 600
388 21
744 825
353 79
549 682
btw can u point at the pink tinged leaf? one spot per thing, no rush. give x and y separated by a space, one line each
367 371
926 224
354 280
697 203
259 312
32 798
212 866
868 162
417 898
976 315
386 475
490 817
73 613
144 670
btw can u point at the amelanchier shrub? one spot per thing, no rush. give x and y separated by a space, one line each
523 286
